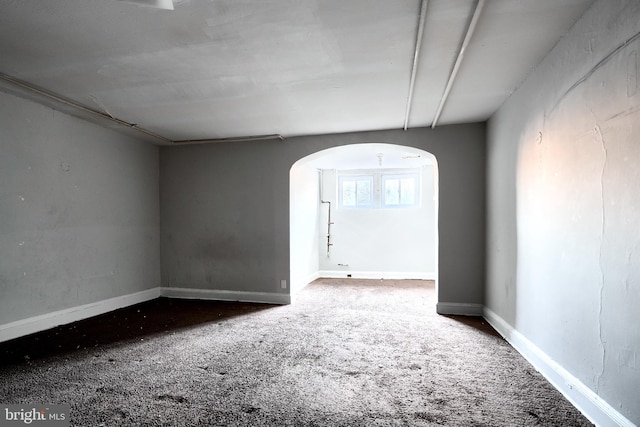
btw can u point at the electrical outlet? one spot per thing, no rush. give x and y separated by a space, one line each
283 284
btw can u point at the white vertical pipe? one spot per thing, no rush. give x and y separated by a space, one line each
416 56
329 244
454 72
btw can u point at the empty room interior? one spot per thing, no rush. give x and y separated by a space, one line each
480 155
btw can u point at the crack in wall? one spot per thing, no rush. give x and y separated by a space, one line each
599 138
595 68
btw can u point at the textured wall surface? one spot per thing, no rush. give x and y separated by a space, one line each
225 209
564 208
79 219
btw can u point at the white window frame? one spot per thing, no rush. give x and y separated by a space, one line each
355 178
378 177
400 176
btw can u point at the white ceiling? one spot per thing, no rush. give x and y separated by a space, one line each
369 156
228 68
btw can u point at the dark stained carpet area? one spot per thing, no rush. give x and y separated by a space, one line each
345 353
135 323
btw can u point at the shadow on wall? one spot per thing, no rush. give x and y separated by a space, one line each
369 242
502 225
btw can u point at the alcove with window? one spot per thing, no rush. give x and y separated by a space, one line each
374 213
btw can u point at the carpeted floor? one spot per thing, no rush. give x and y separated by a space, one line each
345 353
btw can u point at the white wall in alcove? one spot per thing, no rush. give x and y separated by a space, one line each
369 243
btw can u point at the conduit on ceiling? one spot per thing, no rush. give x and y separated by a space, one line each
81 108
157 4
470 29
416 56
74 105
231 139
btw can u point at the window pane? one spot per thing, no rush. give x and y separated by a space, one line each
348 193
379 190
407 191
363 191
391 192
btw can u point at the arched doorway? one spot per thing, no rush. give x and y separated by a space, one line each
366 211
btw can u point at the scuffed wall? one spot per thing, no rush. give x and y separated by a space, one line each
79 219
225 209
563 239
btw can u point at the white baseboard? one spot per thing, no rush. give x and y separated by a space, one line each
460 309
300 285
339 274
46 321
582 397
221 295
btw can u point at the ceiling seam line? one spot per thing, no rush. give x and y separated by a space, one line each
231 139
75 105
416 55
454 72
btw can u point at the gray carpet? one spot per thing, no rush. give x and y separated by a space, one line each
345 353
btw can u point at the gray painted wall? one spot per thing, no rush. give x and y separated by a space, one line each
79 219
225 209
563 238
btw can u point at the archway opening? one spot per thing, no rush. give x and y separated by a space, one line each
364 211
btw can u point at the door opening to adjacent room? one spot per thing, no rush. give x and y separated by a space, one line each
364 211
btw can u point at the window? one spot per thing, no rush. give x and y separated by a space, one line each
400 190
356 191
391 188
